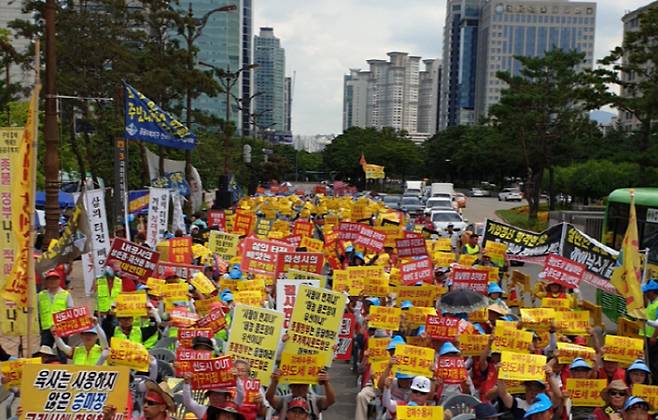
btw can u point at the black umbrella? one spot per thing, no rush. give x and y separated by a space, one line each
462 301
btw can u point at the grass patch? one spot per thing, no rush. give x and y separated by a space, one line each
518 216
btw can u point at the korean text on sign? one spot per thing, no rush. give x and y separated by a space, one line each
414 360
522 367
72 321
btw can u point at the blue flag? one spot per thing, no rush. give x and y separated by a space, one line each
145 121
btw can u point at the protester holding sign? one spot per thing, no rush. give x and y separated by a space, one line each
50 300
316 403
89 353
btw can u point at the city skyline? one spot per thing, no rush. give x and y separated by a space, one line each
340 38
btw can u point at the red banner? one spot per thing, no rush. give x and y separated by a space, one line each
180 250
183 318
348 231
470 278
419 270
563 271
443 328
303 228
135 261
184 271
213 373
259 255
411 247
217 220
244 223
311 262
72 321
185 357
294 240
371 239
452 370
345 337
187 335
215 320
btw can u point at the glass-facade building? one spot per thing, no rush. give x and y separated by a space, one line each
270 81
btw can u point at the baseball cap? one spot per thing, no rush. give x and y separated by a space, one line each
91 330
579 363
299 403
540 404
421 384
53 273
169 272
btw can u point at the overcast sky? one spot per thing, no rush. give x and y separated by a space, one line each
325 38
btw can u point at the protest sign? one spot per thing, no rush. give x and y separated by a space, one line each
416 316
251 392
568 351
261 256
469 278
409 412
215 320
563 271
213 373
348 231
467 260
131 304
444 328
624 350
493 272
124 352
183 318
420 341
511 340
158 215
345 337
254 337
369 280
523 245
414 360
185 357
315 322
294 274
286 294
155 286
473 344
180 250
135 261
370 239
225 245
173 293
243 223
496 250
187 335
443 259
216 219
417 270
12 370
203 284
183 271
311 262
303 228
72 321
522 279
572 322
598 259
311 245
392 232
452 370
377 348
537 318
522 367
556 303
300 368
97 215
254 285
411 247
249 297
586 392
424 295
648 393
56 391
263 227
293 240
386 318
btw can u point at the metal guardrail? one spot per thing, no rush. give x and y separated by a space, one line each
590 222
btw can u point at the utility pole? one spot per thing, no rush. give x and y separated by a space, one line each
51 137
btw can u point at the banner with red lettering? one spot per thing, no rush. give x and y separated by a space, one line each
563 271
470 278
135 261
345 337
72 321
311 262
213 373
215 320
417 270
348 231
411 247
443 328
259 256
370 239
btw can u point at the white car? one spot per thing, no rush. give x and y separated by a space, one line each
478 192
510 194
439 203
442 218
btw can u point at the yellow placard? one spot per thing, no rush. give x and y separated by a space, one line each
557 304
377 348
46 383
249 297
268 278
522 367
124 352
624 350
311 245
443 259
294 274
572 322
496 250
14 321
155 286
586 392
467 260
424 295
225 245
131 304
416 316
414 360
254 285
473 344
480 315
300 368
568 351
342 281
417 412
12 370
537 318
521 279
370 279
443 245
387 318
229 284
511 340
202 283
254 337
492 272
315 321
648 393
203 306
174 292
377 368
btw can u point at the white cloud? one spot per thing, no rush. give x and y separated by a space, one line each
325 38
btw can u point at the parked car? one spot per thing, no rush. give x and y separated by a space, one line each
442 218
460 199
479 192
411 204
438 203
510 194
392 202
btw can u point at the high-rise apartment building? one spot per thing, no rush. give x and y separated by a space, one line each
270 81
389 94
428 97
287 104
631 22
482 37
10 11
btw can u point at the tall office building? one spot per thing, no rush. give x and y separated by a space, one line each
389 94
428 97
460 38
246 35
287 104
10 11
631 22
482 37
270 81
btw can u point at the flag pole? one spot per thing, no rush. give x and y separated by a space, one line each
645 270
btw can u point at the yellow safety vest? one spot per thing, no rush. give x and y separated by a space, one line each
472 250
47 307
105 296
150 342
83 358
135 334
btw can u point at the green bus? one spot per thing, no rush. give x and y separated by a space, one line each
615 220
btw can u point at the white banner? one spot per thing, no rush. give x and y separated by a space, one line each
100 244
88 272
156 226
286 294
169 166
177 220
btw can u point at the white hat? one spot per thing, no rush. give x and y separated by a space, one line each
47 350
421 384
